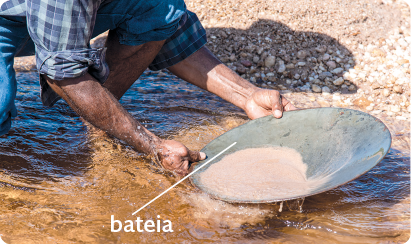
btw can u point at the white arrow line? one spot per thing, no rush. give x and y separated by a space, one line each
185 178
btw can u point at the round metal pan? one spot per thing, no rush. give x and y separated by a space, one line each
337 144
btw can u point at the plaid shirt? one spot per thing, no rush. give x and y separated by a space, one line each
62 29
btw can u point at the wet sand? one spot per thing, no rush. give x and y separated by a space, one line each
255 174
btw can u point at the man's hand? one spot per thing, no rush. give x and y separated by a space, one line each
204 70
263 102
176 157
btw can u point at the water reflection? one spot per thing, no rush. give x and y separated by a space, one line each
61 179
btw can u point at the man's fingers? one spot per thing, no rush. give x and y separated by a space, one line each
276 104
288 106
196 156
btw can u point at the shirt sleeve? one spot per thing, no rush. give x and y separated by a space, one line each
61 31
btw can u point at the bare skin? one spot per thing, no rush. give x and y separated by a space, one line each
204 70
99 104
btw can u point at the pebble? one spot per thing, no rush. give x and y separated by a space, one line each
246 63
400 118
386 92
325 89
398 89
241 70
321 49
323 75
256 59
395 109
232 57
338 81
326 57
301 63
402 61
281 68
316 88
269 61
290 66
337 70
362 102
260 50
331 64
378 53
302 54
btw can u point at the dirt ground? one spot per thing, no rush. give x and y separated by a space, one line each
358 21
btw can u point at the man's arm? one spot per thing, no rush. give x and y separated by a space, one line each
204 70
99 107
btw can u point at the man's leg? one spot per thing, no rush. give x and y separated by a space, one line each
138 29
127 63
13 34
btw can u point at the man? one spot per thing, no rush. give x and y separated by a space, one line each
151 33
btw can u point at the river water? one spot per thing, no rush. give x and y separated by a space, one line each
61 180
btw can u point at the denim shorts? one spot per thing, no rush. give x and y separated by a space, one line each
184 37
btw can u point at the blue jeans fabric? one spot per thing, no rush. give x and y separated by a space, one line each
13 37
139 21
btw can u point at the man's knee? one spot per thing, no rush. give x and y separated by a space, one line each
118 52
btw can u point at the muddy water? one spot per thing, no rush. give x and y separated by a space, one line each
61 180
